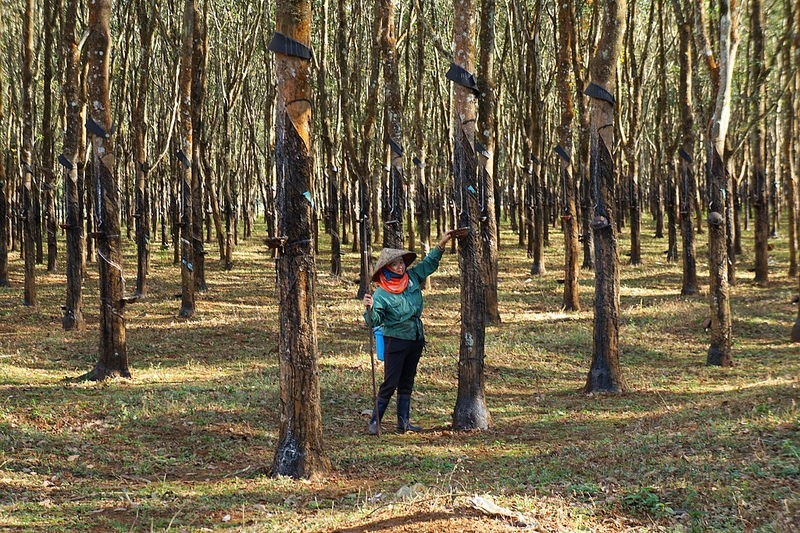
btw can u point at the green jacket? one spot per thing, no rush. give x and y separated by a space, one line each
399 314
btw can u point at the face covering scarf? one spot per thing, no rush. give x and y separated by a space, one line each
391 282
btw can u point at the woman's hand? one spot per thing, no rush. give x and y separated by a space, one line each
449 235
367 300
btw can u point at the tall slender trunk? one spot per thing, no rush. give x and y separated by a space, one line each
184 164
719 351
299 451
605 373
394 197
51 10
113 359
687 183
470 411
5 225
28 191
332 217
757 146
142 169
485 134
569 216
72 156
789 139
199 143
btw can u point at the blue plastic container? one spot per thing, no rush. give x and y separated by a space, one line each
378 332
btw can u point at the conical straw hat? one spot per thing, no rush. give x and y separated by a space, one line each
388 255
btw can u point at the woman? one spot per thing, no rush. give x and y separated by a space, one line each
396 307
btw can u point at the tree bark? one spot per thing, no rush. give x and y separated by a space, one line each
605 374
51 10
757 147
470 410
199 143
184 164
688 185
719 351
569 216
142 169
73 202
5 223
26 160
113 359
299 452
394 197
486 132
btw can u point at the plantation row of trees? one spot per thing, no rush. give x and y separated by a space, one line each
186 120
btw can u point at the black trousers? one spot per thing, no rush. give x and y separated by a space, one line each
399 366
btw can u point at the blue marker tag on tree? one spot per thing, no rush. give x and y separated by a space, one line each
307 196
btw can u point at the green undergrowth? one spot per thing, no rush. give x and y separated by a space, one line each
187 443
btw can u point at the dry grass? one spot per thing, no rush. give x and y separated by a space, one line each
186 444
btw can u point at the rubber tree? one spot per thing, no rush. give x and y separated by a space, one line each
4 189
470 410
199 142
27 191
485 134
605 374
147 25
394 193
687 189
113 357
184 162
51 10
569 213
71 154
719 351
758 107
299 451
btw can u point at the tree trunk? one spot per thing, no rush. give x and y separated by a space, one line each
5 222
113 358
757 146
470 410
486 132
605 374
719 351
569 216
184 164
51 10
139 126
73 201
789 139
199 143
687 189
28 192
394 197
299 452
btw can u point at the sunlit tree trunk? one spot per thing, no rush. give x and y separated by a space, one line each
569 214
687 188
394 195
26 159
51 10
113 358
5 225
605 374
485 134
719 351
73 211
757 136
184 164
199 142
470 411
299 451
139 126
